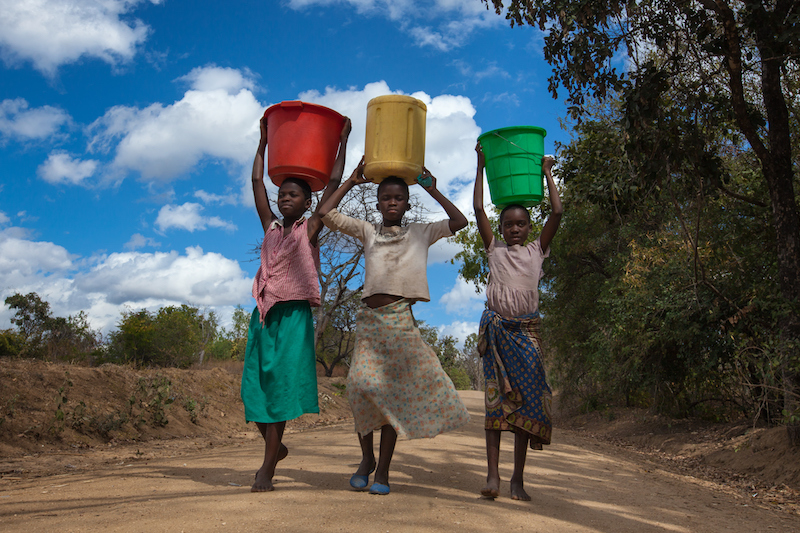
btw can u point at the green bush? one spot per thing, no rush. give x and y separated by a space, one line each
10 343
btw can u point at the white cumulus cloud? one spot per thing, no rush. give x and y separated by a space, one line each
462 298
19 121
459 330
212 77
211 198
195 277
22 260
188 217
217 118
51 33
31 266
442 251
138 240
60 167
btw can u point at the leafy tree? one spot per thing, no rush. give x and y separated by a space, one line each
658 295
11 343
32 318
134 340
43 336
241 321
72 338
646 282
449 356
336 343
181 334
172 336
472 362
231 344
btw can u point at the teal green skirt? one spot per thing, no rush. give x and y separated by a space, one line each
279 379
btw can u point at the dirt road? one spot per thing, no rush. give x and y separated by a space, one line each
577 485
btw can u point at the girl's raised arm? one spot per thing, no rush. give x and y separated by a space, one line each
333 201
484 226
551 226
457 219
259 191
315 220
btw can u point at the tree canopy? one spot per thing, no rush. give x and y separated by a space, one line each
39 334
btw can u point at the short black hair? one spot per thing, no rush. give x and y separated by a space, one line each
393 180
513 206
303 184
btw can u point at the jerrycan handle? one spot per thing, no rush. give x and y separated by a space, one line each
290 104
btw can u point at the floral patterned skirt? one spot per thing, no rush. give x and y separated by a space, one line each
517 394
395 377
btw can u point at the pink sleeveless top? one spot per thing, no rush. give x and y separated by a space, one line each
514 274
288 269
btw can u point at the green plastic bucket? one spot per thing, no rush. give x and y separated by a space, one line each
514 165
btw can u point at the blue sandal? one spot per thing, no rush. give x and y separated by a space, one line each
379 488
360 482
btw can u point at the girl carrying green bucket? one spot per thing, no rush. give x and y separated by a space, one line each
518 398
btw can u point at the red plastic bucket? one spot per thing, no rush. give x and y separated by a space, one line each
302 141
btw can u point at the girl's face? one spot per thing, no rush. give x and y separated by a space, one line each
292 202
392 203
515 227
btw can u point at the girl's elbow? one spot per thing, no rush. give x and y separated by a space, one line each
458 224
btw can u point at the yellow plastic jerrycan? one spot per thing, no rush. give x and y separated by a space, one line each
395 143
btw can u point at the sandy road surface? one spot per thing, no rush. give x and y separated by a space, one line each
577 485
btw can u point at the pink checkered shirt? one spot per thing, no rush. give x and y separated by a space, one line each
288 268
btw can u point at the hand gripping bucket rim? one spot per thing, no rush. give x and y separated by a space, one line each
302 142
513 158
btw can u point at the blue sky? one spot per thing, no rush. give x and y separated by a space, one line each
128 129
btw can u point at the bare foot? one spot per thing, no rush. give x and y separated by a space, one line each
492 488
265 485
283 452
262 484
518 493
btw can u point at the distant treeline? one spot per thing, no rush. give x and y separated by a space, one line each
184 336
173 336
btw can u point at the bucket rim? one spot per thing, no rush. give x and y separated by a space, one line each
398 98
305 106
508 129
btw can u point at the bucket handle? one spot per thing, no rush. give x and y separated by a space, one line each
292 104
515 144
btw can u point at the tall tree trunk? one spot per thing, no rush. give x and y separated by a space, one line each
776 165
779 176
